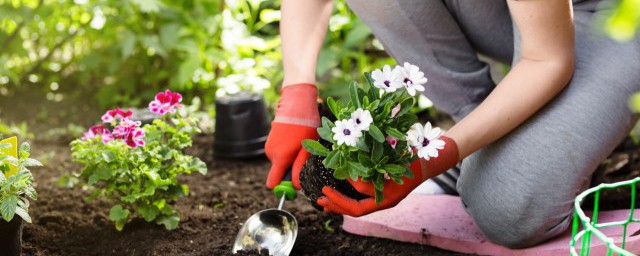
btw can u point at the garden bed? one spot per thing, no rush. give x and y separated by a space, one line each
66 224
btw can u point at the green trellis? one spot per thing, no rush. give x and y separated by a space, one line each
591 225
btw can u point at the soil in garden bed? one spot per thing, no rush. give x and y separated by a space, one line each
66 224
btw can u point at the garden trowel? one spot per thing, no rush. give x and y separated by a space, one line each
271 229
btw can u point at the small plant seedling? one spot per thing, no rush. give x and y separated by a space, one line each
16 180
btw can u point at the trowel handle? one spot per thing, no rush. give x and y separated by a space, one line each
285 187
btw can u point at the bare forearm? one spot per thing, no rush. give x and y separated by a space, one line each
302 29
527 88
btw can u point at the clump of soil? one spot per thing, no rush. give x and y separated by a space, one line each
314 176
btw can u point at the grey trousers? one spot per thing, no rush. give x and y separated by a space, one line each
520 189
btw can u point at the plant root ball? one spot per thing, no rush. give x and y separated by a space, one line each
314 176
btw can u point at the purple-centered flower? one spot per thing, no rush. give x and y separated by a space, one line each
412 78
114 115
98 130
346 132
387 79
425 139
166 102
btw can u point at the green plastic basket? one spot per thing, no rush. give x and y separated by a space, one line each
591 226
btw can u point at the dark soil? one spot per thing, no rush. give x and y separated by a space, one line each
65 224
314 176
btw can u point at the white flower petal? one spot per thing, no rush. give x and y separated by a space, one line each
434 134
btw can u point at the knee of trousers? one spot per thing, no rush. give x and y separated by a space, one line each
516 226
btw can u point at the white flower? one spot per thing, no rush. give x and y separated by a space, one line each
387 79
362 119
412 78
346 132
425 140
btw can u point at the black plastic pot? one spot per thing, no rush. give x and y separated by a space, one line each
314 176
11 237
242 126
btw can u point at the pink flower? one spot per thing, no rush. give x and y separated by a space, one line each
392 141
116 114
166 102
134 138
395 111
131 135
386 176
98 130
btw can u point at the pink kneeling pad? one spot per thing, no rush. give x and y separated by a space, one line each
441 221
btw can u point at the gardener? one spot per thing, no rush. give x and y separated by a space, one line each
530 143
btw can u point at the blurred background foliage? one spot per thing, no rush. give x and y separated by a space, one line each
121 52
69 60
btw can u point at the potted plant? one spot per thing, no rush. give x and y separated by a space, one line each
375 136
136 167
15 192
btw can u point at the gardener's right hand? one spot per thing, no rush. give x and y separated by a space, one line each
296 119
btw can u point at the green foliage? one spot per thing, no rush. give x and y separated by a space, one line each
16 190
372 159
141 181
19 130
623 21
120 51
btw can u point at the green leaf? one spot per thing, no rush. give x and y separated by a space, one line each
148 212
376 133
365 160
314 147
30 162
108 156
393 169
361 144
23 214
353 93
358 168
379 197
325 134
332 160
118 213
333 106
8 206
169 222
378 183
405 106
198 166
25 150
393 132
341 173
358 33
377 152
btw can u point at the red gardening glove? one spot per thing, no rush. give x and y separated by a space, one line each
296 119
336 202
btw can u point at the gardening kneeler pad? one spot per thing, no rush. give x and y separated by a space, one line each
441 221
11 151
296 119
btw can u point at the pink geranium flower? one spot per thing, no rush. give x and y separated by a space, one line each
98 130
134 138
116 114
166 102
132 135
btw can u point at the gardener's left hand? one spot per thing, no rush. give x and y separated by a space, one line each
336 202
